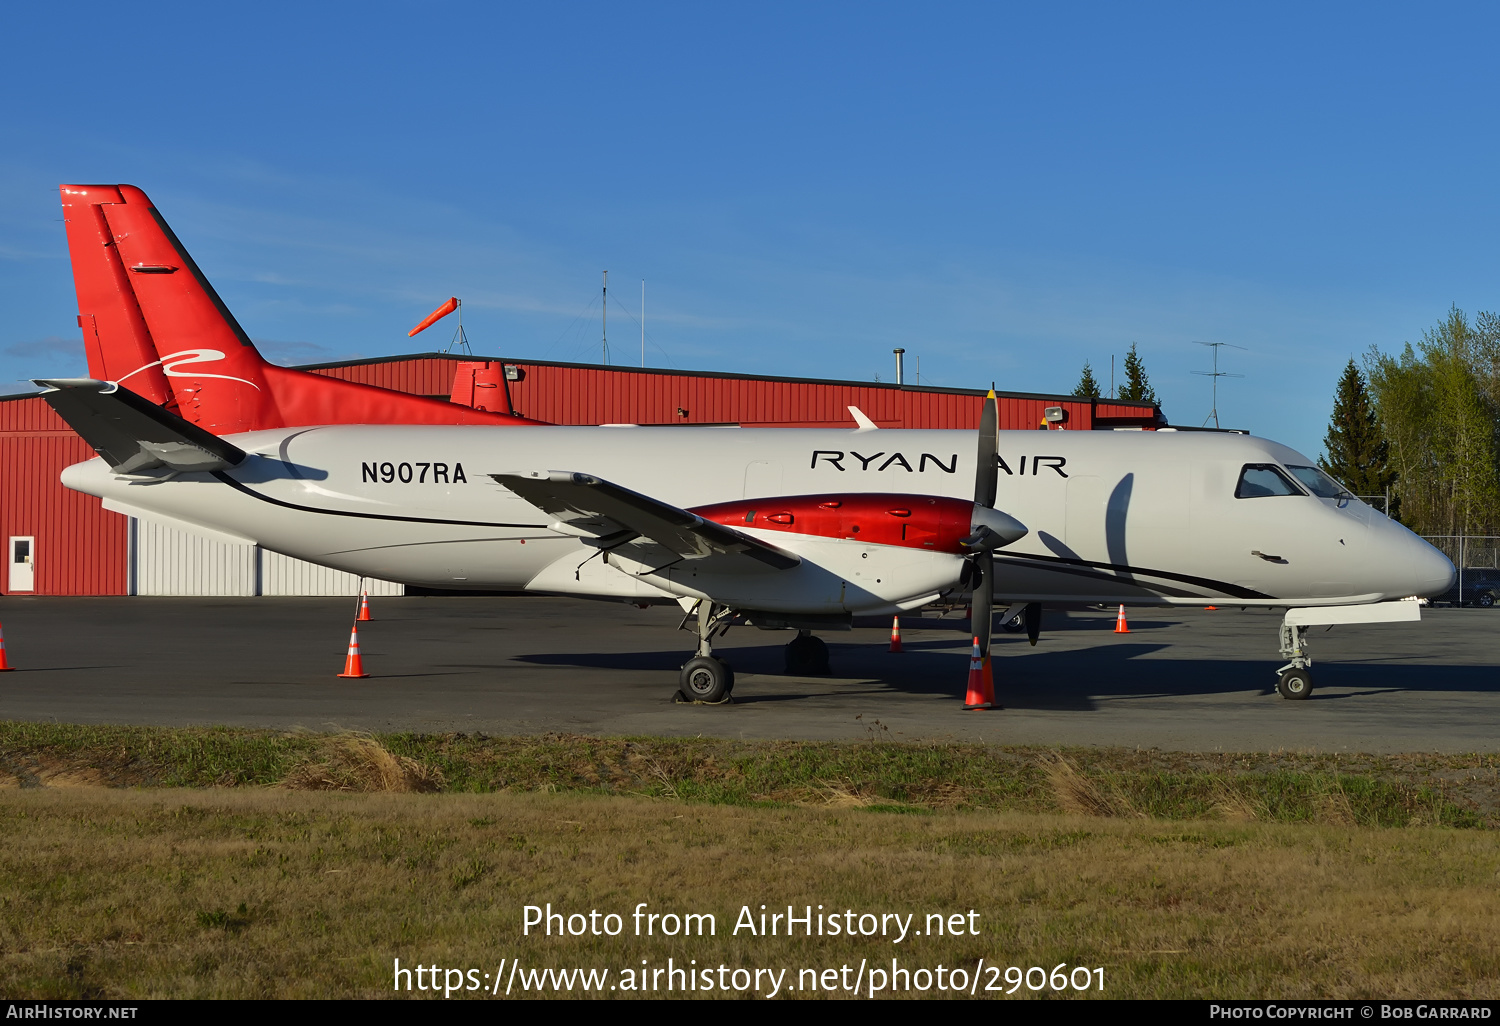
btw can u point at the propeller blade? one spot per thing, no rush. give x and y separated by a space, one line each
987 473
984 600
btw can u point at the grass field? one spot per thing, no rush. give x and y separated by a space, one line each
238 863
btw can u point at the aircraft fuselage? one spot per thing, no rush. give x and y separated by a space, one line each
1134 517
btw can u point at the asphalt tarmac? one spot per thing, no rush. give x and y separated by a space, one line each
1184 680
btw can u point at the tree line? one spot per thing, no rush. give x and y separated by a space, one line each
1425 424
1136 387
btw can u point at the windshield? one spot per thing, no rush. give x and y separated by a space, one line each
1319 483
1258 480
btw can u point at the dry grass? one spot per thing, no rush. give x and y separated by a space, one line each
1448 790
273 893
359 762
1077 794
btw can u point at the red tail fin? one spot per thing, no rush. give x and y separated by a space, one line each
152 322
114 332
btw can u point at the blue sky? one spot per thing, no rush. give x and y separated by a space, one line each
1004 190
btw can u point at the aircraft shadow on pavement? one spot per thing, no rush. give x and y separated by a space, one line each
1076 680
1051 624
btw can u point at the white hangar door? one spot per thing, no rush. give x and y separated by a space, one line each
22 576
283 575
170 561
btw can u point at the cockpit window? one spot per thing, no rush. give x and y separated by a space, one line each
1319 483
1261 479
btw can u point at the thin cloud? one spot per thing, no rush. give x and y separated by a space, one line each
52 345
287 353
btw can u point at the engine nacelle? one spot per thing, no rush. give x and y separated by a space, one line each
933 523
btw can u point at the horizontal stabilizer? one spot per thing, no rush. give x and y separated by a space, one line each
619 519
132 433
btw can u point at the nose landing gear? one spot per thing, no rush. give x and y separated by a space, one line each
1294 680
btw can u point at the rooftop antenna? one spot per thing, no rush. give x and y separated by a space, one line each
643 323
1216 374
604 317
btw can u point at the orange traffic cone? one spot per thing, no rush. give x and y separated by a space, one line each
353 667
1120 627
981 686
364 605
896 634
1211 608
3 664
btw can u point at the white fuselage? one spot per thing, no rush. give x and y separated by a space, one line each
1137 517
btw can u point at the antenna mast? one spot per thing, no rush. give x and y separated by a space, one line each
1216 374
604 317
643 322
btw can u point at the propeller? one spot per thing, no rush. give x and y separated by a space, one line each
985 536
990 528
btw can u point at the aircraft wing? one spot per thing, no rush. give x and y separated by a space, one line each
639 527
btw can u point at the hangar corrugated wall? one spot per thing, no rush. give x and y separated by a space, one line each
570 393
169 561
79 548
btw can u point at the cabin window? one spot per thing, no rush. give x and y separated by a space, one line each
1258 480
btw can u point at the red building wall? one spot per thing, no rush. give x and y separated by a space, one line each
559 393
81 548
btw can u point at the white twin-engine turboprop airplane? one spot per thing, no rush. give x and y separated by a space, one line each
785 528
782 528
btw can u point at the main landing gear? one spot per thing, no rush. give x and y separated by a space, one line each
710 680
1295 678
806 656
704 678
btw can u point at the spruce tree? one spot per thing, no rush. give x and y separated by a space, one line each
1356 447
1087 387
1136 386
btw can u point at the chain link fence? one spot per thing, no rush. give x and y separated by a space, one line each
1477 558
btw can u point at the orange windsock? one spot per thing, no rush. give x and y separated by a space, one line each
436 315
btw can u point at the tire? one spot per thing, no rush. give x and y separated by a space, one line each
807 656
706 679
1485 599
1014 624
1295 685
